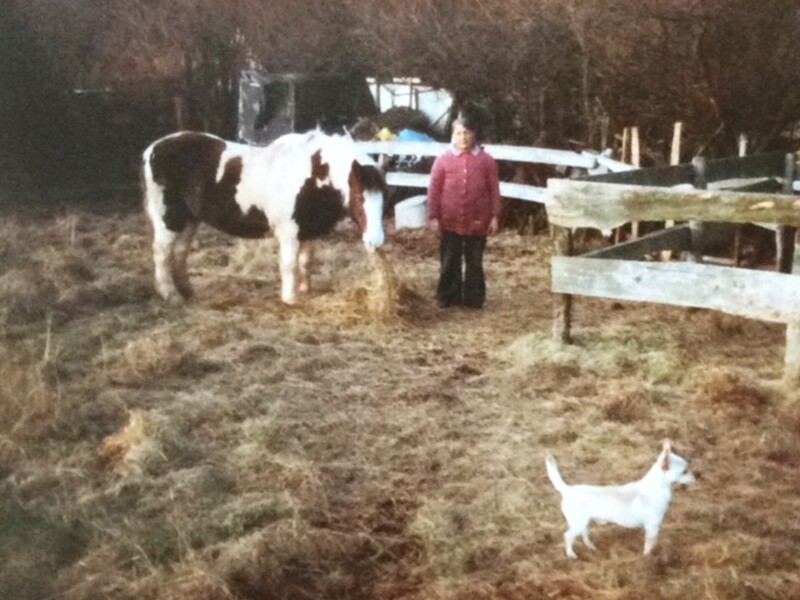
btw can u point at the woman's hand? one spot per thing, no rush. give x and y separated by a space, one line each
494 226
434 227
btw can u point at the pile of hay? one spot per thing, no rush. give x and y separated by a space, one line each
376 301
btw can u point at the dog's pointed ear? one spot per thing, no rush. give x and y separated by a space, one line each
666 452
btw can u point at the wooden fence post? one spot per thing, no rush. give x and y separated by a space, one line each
625 156
791 358
604 125
696 227
784 234
626 139
636 161
674 159
742 144
737 232
675 150
562 303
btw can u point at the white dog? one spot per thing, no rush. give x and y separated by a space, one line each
641 503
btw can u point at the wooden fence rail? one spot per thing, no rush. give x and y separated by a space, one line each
584 160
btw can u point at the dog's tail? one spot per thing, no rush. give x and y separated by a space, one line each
554 475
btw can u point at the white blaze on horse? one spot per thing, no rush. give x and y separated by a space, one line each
299 186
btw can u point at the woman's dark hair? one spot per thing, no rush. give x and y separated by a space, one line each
467 121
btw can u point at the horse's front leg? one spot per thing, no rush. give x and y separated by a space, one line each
289 249
163 259
182 247
304 259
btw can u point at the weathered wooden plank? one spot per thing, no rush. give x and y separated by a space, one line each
418 180
790 264
656 176
769 164
765 185
757 165
791 357
580 203
507 190
675 239
547 156
763 295
614 166
403 148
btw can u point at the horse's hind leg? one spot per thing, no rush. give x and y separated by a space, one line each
181 249
305 257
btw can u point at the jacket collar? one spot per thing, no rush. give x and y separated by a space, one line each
476 149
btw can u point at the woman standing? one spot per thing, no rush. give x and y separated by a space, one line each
463 209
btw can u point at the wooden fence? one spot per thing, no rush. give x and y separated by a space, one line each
728 190
752 189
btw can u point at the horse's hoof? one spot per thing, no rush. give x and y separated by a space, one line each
173 299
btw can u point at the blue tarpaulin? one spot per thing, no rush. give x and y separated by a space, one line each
409 135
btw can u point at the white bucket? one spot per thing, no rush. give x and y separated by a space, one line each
411 212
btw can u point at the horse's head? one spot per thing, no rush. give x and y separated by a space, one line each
362 183
367 187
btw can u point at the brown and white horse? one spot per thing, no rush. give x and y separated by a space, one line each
299 186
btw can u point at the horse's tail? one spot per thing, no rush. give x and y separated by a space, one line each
554 475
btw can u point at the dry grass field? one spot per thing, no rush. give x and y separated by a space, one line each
234 448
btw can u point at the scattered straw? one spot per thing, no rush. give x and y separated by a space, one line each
116 447
26 399
728 388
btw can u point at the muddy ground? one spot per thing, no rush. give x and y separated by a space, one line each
238 448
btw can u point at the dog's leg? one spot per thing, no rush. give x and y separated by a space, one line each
650 536
569 539
586 540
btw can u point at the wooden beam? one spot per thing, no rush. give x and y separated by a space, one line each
546 156
757 165
696 227
784 236
581 203
791 357
675 151
763 295
626 140
609 163
562 303
788 261
519 191
766 185
674 159
675 239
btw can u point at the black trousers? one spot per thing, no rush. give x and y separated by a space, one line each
457 286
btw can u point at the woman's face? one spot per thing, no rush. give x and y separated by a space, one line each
463 138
